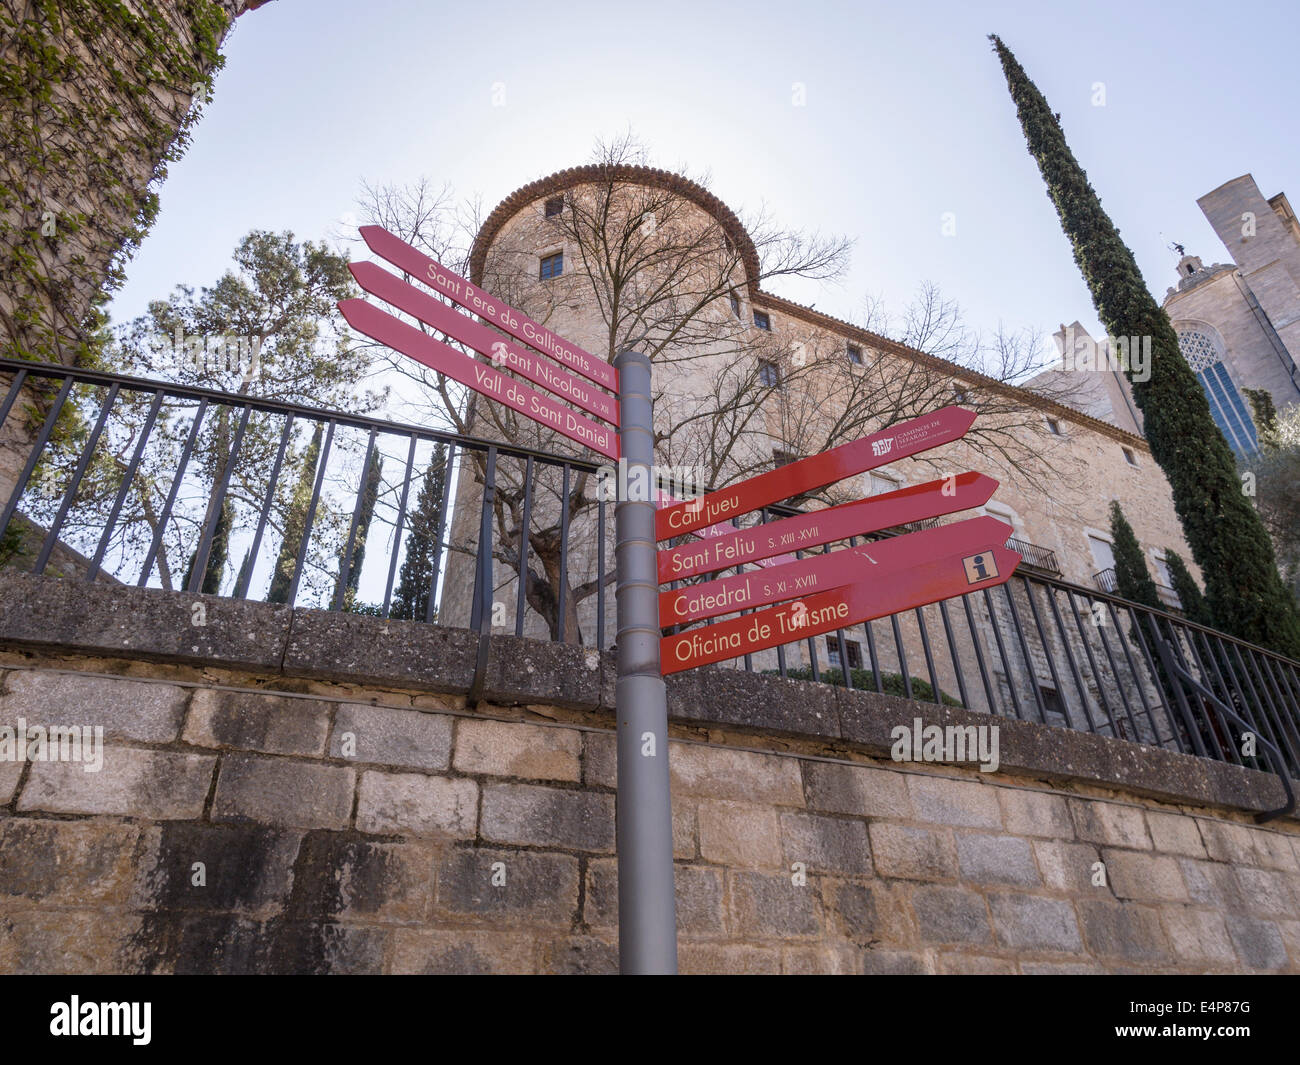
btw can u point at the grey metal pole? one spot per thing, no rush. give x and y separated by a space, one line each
647 911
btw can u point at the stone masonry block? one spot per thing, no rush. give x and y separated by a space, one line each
1068 867
279 791
862 790
1259 943
949 801
462 952
913 853
1110 823
125 709
1028 922
548 817
715 773
528 887
390 736
67 863
988 859
1035 813
246 868
826 844
951 915
159 785
698 889
1152 877
246 721
1199 937
1175 834
773 906
739 834
417 805
1125 931
515 749
599 760
338 877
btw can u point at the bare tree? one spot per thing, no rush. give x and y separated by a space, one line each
671 276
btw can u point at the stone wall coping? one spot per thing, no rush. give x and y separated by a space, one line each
64 616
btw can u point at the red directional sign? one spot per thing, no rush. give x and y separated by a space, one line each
929 500
820 573
504 354
897 442
839 608
383 327
486 306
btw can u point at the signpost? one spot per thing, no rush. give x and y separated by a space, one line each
840 608
381 326
929 500
806 475
578 391
473 298
821 572
828 591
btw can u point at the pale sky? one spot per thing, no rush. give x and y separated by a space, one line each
906 117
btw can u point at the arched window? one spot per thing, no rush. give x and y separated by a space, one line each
1205 358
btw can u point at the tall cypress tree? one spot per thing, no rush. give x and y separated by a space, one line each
412 597
1244 592
295 524
1132 578
1189 593
370 495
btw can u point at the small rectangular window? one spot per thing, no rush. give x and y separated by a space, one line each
554 206
735 303
1129 457
782 458
855 355
1055 427
769 374
762 321
552 266
852 647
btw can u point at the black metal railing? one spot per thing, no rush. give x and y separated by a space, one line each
1033 556
143 480
140 480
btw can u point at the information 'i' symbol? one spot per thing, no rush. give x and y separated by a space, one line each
979 567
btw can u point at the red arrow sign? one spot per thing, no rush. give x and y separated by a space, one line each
473 298
382 326
504 354
921 501
823 572
805 475
838 609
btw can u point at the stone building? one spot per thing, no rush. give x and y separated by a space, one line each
1069 462
1238 323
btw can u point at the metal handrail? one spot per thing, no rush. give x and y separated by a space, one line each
1275 759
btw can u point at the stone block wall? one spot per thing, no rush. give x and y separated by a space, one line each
312 792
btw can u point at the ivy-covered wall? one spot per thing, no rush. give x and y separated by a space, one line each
96 98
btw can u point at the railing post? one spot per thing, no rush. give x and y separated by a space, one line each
647 913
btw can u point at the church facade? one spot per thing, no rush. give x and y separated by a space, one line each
1238 323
